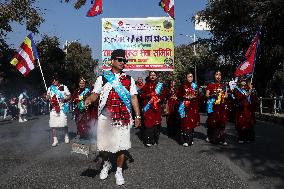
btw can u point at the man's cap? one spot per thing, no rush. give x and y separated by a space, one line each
118 53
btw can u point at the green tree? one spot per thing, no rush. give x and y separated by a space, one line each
20 11
70 66
52 58
234 24
79 62
15 11
78 3
185 61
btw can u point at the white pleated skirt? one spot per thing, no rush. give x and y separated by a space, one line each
112 139
57 119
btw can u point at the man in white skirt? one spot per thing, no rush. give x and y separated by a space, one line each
58 94
118 94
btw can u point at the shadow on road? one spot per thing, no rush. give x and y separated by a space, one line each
199 135
140 134
90 173
96 166
33 118
5 122
264 157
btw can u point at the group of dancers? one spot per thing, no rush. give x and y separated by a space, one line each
116 103
181 107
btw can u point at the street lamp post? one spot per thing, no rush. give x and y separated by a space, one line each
67 43
193 38
65 48
194 52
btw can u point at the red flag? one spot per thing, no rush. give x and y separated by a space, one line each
168 6
96 9
247 66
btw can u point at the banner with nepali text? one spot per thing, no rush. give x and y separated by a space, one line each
149 42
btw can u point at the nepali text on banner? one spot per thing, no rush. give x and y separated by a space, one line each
149 42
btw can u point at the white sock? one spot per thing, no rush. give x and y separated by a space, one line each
118 169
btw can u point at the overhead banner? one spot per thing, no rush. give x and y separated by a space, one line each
149 42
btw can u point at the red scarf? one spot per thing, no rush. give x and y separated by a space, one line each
188 91
54 102
115 106
155 98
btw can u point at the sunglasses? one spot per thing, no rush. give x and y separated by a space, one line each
121 60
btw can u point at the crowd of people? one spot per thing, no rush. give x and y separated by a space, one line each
114 95
181 106
116 102
21 106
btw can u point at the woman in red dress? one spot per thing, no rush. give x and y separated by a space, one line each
188 109
152 94
82 115
216 109
172 116
245 103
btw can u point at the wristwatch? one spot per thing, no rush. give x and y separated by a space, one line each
138 117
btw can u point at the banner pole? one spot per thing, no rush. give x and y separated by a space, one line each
42 74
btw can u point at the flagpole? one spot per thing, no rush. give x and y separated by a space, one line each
42 74
257 46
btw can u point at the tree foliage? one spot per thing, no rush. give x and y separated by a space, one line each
75 62
20 11
53 59
185 62
234 24
78 3
79 58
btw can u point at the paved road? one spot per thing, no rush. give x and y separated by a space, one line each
27 160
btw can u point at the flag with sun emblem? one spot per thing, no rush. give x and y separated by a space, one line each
96 9
247 66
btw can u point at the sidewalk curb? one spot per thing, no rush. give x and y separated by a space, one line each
270 118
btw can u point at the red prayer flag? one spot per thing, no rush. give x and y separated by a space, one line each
96 9
247 66
168 6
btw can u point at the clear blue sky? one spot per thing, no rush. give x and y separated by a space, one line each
67 23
